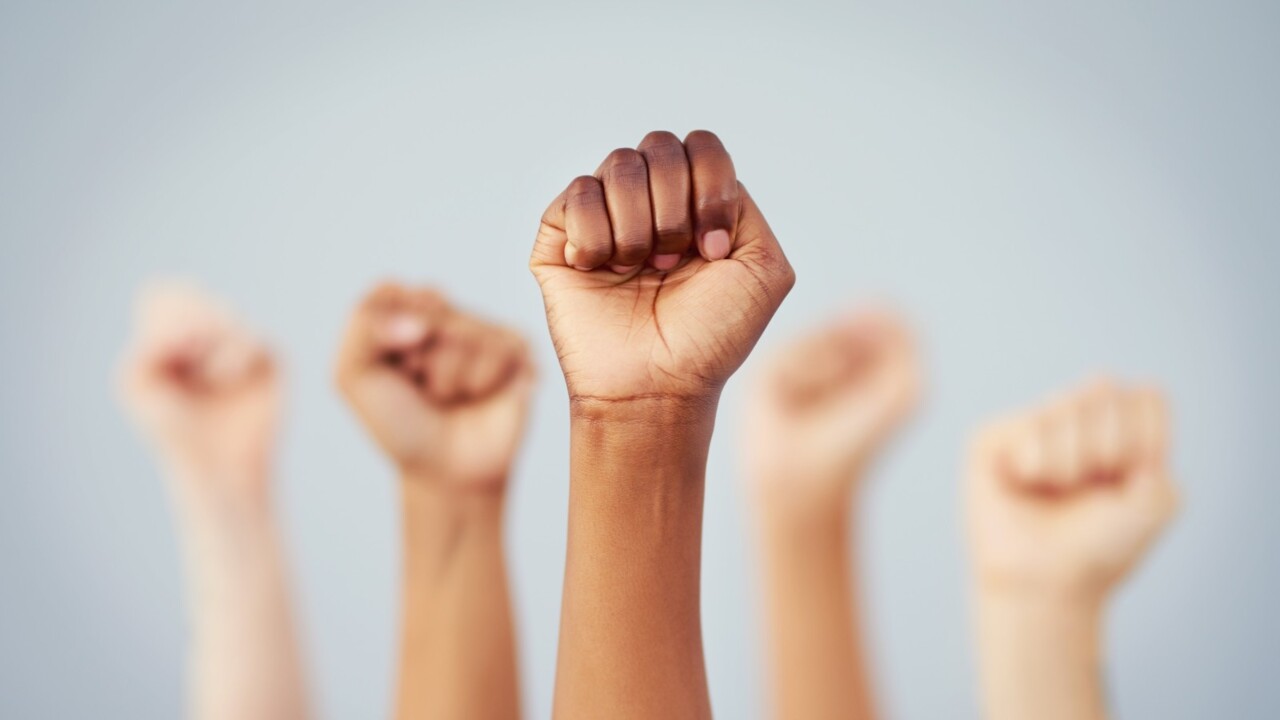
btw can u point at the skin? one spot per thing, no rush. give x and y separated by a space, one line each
205 394
445 395
818 415
658 274
1064 500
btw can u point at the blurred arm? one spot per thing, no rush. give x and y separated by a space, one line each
1040 656
457 658
817 664
245 663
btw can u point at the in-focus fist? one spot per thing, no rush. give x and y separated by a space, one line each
1067 497
443 393
202 387
823 407
658 272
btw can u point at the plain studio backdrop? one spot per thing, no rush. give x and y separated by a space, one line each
1049 194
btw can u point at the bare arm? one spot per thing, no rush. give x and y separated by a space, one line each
818 416
457 657
445 395
205 392
630 625
658 274
1064 500
245 662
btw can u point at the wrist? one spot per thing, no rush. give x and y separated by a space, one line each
647 410
211 495
443 506
790 500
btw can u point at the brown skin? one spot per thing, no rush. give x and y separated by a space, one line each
205 392
818 415
445 395
1063 501
659 274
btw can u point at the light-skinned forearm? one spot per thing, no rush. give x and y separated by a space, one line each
245 662
630 629
813 615
457 658
1040 656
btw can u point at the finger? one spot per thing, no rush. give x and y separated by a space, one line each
1106 435
1151 426
812 366
716 200
391 319
669 193
1027 455
231 361
1060 438
446 364
756 245
625 179
1148 483
488 366
551 242
589 237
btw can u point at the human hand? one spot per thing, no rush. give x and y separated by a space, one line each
1064 499
658 273
203 389
444 394
824 406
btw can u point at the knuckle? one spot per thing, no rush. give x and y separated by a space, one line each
703 139
584 190
671 227
658 138
632 246
625 167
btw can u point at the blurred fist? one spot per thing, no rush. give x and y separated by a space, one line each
202 388
443 393
1067 497
819 411
658 272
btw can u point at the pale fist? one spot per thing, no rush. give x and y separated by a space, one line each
443 393
203 389
658 273
819 411
1067 497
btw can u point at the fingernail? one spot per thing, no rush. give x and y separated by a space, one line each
583 268
404 329
715 245
570 253
623 269
666 261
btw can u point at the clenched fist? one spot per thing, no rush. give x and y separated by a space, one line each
1065 498
823 407
658 272
202 387
443 393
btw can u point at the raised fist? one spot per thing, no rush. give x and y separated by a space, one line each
658 272
443 393
826 404
201 386
1065 498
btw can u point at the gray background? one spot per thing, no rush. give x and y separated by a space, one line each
1050 193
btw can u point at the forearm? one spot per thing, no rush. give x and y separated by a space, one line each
458 654
1040 656
631 637
813 616
245 662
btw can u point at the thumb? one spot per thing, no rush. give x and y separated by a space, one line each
756 246
387 321
549 246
